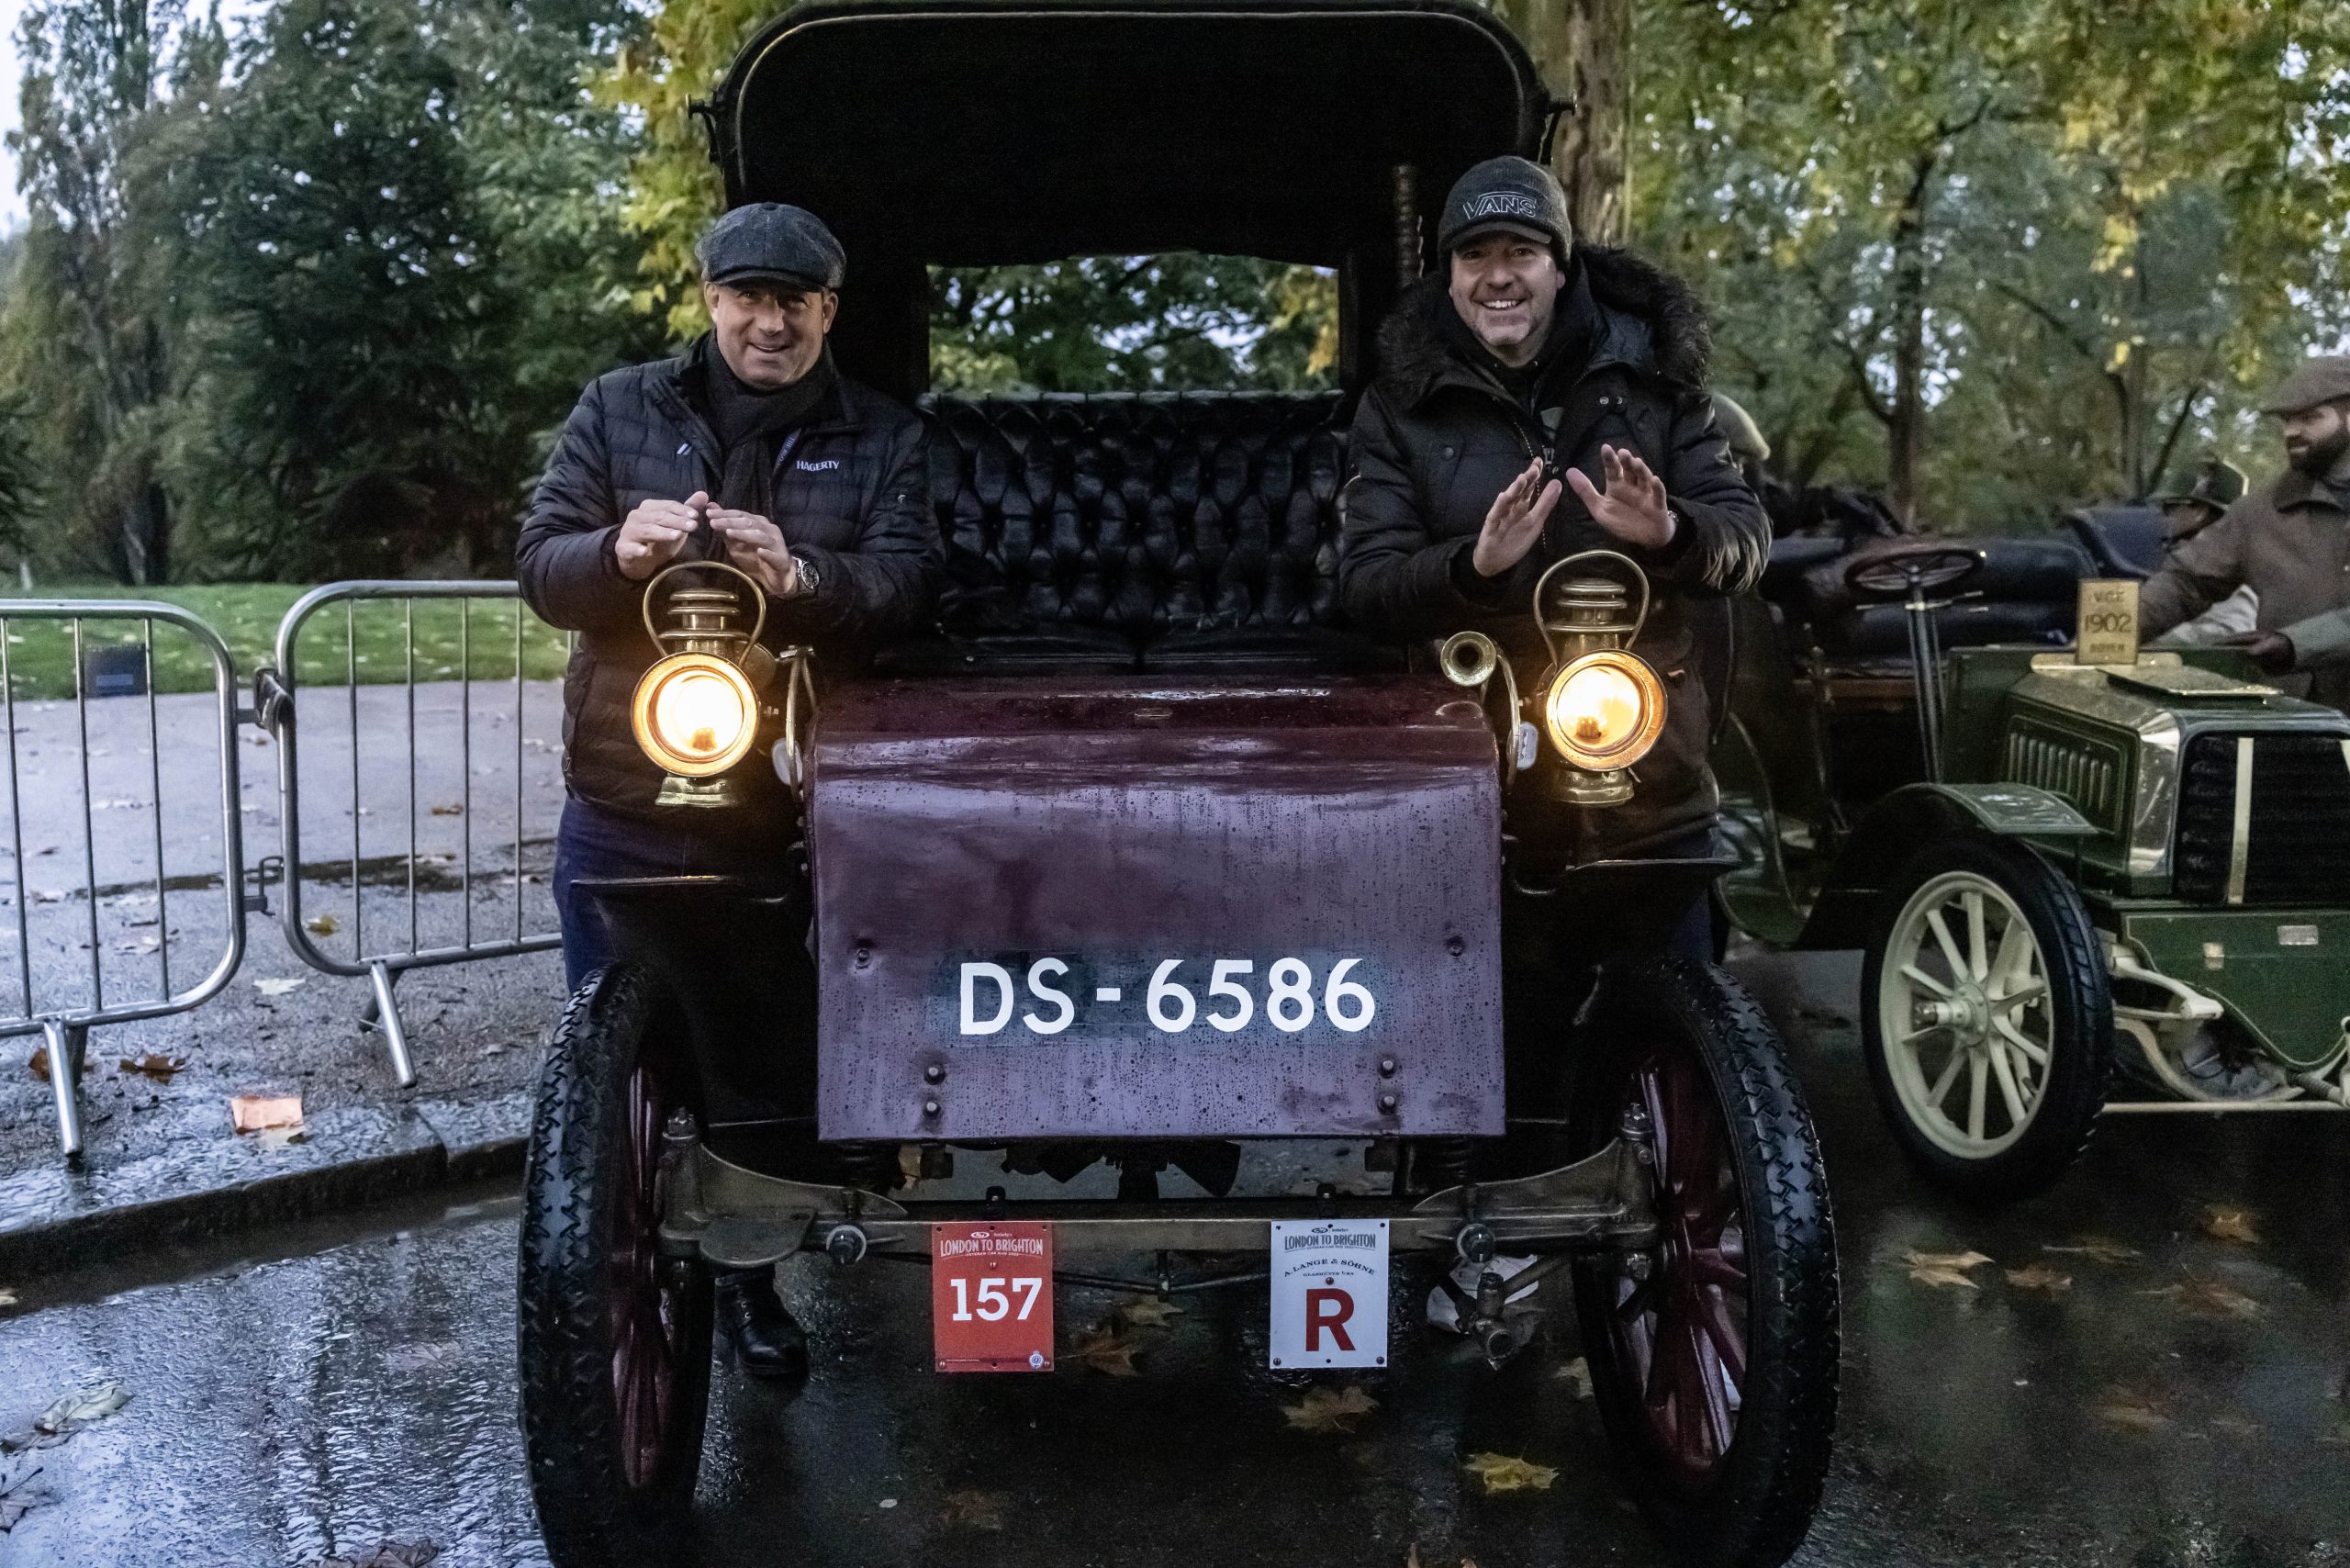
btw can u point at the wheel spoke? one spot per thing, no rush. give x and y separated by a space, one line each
1949 943
1730 1341
1977 963
2035 1054
1713 1265
1940 1090
1917 976
2007 1090
2014 939
1978 1081
1712 1389
2021 996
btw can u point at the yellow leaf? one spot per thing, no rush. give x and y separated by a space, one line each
2209 1298
1500 1473
2226 1224
2040 1277
2136 1411
1105 1351
322 925
1330 1410
1147 1312
1577 1372
1944 1269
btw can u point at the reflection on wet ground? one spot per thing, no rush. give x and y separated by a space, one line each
2149 1371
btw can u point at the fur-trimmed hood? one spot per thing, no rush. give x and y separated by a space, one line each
1650 320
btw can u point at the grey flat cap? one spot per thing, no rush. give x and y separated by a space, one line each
2318 379
768 242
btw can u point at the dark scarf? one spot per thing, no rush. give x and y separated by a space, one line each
752 424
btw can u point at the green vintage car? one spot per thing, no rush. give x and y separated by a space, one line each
2080 889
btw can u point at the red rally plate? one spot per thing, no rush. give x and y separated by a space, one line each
991 1297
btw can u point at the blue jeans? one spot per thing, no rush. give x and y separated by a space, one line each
592 842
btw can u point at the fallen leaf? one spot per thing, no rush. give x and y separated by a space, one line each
451 809
82 1406
974 1509
39 1064
1944 1269
1499 1472
2209 1298
283 1137
2040 1277
2238 1426
156 1066
1105 1351
277 987
2101 1249
2136 1411
322 925
252 1112
16 1500
2226 1223
1577 1372
8 1298
1330 1410
1147 1312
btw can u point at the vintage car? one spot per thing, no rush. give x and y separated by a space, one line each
1141 861
2064 874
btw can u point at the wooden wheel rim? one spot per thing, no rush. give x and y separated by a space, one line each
644 1317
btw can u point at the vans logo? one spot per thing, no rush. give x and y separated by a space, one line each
807 468
1501 203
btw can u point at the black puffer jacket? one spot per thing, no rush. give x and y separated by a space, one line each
1436 439
850 496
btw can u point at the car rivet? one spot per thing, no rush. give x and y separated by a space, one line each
934 1073
1386 1067
863 954
1387 1104
1454 945
930 1107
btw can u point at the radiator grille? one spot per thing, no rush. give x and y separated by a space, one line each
2089 777
2298 839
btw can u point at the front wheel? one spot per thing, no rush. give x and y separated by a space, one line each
614 1339
1987 1021
1713 1353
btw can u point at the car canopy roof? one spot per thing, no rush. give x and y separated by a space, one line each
979 132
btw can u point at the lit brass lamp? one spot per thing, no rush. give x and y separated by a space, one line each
1599 704
697 711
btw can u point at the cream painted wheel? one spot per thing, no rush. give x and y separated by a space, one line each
1988 1028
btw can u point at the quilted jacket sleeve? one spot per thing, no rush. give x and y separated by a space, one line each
2199 572
1395 577
564 557
884 584
1725 538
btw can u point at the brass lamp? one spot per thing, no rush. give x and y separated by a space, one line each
697 711
1601 705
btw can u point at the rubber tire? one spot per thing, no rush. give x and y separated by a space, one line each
2080 998
588 1515
1757 1512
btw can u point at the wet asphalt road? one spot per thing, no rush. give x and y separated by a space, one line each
2182 1402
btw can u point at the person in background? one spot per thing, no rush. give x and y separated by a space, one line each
2218 485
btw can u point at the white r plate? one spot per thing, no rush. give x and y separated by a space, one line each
1329 1292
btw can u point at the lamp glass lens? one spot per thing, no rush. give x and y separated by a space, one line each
697 715
1595 710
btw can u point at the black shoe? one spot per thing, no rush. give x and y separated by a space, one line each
767 1341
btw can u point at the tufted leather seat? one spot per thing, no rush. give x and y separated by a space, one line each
1139 529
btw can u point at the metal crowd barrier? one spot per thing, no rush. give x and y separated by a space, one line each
65 1025
278 704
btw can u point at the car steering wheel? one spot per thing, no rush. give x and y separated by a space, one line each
1887 574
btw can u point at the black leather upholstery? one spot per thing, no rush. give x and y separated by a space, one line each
1119 522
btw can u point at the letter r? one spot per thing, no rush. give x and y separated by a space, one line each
1328 1309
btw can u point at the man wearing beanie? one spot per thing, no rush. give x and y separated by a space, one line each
2288 541
1536 398
749 448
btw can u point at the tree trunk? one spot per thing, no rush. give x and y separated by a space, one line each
1905 429
1583 49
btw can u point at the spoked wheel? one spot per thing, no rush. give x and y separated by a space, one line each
615 1341
1713 1353
1989 1024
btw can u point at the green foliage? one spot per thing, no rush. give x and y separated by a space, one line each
2007 256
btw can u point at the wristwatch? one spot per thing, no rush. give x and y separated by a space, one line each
804 578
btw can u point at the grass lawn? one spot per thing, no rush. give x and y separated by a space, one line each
374 643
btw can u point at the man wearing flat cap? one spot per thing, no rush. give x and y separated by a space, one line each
749 448
1535 398
2288 541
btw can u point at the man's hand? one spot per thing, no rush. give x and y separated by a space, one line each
654 533
1514 522
756 545
1632 508
2272 651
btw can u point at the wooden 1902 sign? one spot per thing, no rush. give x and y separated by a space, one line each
2108 621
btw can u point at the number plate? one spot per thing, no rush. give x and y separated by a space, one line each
1329 1292
991 1297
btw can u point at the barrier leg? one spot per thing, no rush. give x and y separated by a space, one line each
66 1043
384 1013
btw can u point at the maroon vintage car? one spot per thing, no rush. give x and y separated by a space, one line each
1140 859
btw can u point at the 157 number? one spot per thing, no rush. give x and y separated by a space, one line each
994 1303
